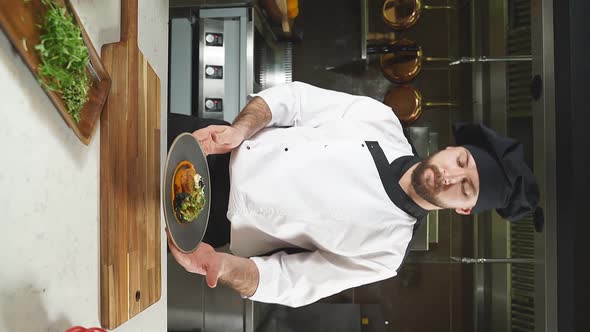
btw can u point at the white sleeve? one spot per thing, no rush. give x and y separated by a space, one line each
299 279
301 104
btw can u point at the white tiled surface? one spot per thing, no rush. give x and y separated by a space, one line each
49 190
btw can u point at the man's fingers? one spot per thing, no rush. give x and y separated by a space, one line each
169 237
206 132
219 138
178 255
206 146
173 248
206 143
223 138
201 134
175 252
210 263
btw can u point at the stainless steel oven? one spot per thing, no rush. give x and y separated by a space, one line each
220 55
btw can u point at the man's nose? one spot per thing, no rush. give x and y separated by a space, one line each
453 176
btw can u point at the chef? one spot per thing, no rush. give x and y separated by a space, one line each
324 192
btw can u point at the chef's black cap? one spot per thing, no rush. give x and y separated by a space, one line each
506 183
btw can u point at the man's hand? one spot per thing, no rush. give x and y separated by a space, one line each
222 139
219 139
204 261
239 273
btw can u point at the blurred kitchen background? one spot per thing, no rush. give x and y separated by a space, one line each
464 273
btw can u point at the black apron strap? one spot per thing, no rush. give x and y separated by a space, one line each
389 175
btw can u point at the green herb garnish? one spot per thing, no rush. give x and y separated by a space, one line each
64 58
188 206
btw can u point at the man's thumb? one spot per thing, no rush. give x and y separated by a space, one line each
211 278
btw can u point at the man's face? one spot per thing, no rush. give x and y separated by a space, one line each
448 179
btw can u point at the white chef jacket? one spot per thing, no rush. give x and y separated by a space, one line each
309 181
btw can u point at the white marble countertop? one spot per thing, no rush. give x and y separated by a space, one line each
49 189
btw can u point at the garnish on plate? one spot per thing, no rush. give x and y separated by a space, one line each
188 195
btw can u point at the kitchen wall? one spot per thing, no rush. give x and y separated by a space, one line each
424 296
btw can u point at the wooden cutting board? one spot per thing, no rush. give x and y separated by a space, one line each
130 279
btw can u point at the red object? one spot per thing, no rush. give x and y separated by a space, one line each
83 329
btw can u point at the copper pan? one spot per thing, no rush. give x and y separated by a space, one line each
407 104
404 62
403 14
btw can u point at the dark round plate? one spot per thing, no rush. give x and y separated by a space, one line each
186 236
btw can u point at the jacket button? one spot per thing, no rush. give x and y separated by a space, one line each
248 147
286 149
363 145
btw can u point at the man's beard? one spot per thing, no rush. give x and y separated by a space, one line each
422 188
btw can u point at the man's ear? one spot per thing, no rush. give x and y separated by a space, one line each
463 211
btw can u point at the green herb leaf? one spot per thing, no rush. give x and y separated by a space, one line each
64 58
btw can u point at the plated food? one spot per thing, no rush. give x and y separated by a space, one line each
188 195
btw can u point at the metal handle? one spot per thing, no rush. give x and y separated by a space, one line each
440 104
492 59
438 7
468 260
391 48
436 59
364 27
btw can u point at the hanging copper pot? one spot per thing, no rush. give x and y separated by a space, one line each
407 104
404 61
403 14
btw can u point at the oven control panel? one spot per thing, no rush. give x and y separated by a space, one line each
214 104
214 72
213 39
